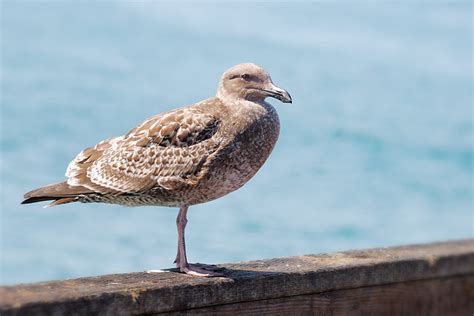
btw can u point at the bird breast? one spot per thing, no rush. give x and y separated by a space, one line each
239 160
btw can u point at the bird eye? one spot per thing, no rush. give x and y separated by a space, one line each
246 77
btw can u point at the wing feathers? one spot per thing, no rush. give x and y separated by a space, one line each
165 150
55 191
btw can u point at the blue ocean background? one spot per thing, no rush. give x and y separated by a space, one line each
376 149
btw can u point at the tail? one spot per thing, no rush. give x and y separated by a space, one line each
59 193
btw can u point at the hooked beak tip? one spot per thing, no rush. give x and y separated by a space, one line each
280 94
288 98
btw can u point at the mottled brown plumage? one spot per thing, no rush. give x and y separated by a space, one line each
182 157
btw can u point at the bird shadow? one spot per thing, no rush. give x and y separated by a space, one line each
227 272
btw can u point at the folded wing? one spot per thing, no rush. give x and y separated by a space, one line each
167 150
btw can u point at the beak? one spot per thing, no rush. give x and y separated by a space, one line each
278 93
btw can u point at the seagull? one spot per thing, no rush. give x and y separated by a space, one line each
183 157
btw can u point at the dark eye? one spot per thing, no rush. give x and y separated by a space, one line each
246 77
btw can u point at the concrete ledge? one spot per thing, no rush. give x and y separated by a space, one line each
427 279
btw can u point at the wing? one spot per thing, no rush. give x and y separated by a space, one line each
167 150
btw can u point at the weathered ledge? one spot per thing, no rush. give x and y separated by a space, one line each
429 279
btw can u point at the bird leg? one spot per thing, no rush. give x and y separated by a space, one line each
197 269
181 221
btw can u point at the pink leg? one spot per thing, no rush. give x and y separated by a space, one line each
181 261
181 221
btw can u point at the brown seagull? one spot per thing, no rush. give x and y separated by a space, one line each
183 157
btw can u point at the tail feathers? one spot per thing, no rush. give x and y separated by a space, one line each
60 193
61 201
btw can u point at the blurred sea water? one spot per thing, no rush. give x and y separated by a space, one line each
376 150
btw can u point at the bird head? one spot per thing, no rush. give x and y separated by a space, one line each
249 82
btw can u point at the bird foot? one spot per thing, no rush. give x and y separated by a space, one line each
202 270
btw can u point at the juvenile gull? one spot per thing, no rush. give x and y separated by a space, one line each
183 157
